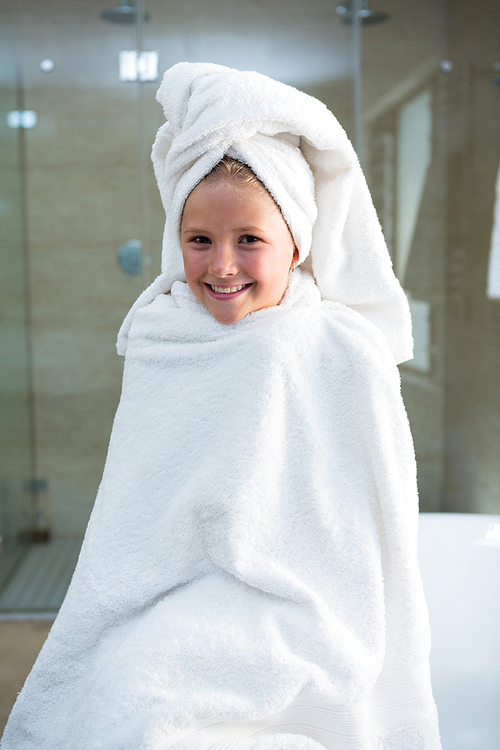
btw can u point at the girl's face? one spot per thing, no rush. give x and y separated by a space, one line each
237 248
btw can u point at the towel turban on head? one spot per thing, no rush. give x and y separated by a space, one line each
297 148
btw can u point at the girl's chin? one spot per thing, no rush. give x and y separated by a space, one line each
227 320
228 312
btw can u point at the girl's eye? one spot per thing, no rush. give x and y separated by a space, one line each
201 240
249 239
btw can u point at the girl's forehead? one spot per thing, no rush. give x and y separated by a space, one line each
212 201
228 183
231 191
223 191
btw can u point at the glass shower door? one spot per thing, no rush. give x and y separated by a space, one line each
82 185
16 512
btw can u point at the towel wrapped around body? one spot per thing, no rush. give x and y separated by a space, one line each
249 575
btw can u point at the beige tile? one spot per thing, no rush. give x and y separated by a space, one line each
75 207
80 127
72 435
20 643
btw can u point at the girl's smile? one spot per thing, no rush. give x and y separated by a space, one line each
237 248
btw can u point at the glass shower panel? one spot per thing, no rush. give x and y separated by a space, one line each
85 246
404 96
473 317
16 511
82 193
431 119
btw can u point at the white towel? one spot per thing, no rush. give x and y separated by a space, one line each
249 578
281 133
249 575
493 289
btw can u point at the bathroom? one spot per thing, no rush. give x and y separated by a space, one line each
416 85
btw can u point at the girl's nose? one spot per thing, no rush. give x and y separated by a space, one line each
223 260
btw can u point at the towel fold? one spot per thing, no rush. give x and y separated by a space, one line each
251 560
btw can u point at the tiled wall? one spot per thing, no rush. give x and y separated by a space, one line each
82 198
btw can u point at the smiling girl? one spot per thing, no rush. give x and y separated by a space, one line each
236 246
249 576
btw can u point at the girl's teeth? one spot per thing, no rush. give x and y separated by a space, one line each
227 289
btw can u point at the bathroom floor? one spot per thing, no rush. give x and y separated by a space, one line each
40 582
28 605
20 642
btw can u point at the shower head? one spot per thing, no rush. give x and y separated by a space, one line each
366 15
126 12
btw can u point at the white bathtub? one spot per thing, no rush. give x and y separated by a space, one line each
460 563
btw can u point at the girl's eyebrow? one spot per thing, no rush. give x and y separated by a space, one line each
194 230
241 230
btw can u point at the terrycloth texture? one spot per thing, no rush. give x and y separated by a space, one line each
303 156
494 263
249 575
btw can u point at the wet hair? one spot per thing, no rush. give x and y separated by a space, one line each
232 169
229 167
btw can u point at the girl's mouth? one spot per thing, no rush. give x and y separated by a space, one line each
226 292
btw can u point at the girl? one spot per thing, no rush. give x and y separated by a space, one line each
249 575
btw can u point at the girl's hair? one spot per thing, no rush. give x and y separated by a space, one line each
229 168
237 170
